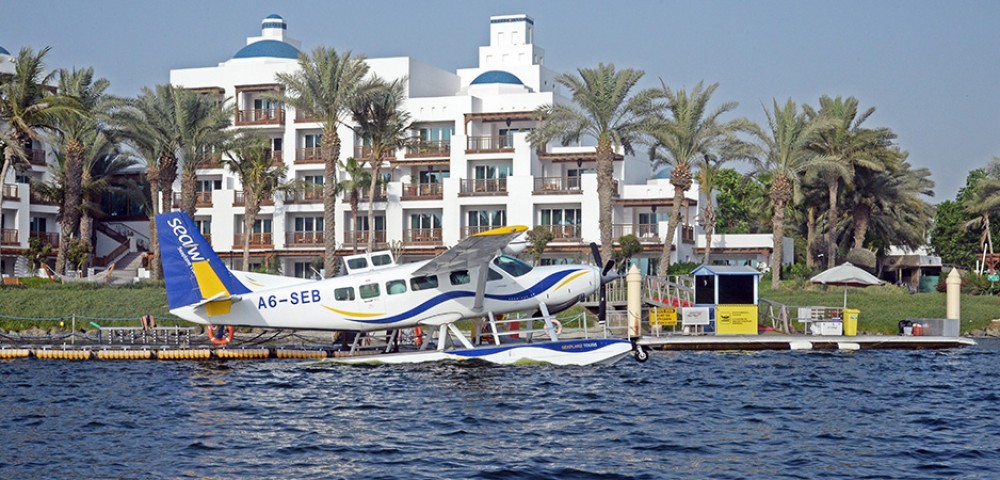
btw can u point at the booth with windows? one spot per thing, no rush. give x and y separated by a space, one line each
730 294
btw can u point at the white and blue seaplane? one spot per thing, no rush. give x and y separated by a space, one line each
475 279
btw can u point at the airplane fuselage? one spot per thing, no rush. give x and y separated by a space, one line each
393 297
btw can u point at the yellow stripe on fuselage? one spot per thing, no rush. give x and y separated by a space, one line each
211 285
503 231
571 278
352 314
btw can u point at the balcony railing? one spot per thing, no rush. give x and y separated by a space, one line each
36 156
36 198
253 116
308 155
8 236
557 185
361 236
562 233
687 235
504 143
240 200
301 117
201 199
10 192
429 148
312 195
422 191
484 186
47 238
365 152
261 239
469 231
304 239
380 195
422 236
277 157
645 232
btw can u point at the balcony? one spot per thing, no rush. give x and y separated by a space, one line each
270 116
422 191
645 232
564 233
304 239
429 148
201 199
422 237
365 153
483 186
277 158
312 195
380 195
239 200
490 144
548 185
687 234
10 192
257 240
36 198
470 231
8 236
36 156
302 117
47 238
308 155
361 236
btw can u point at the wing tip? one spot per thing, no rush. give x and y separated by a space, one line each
508 230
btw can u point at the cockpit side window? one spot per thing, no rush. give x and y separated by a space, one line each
511 265
493 275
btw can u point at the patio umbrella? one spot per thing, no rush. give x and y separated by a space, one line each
847 275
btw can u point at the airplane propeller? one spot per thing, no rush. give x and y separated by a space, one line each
607 275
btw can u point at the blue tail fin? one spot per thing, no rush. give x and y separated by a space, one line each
191 269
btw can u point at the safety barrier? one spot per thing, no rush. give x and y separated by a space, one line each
184 354
14 353
241 354
63 354
300 354
124 354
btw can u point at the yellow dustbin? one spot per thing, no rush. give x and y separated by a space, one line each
851 321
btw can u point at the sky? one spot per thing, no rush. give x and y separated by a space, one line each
930 68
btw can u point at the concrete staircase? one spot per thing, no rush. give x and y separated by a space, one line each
127 269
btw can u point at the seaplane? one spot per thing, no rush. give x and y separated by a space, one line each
478 278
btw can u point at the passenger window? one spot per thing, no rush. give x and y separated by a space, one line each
383 259
356 263
423 283
493 275
368 291
459 277
344 294
395 287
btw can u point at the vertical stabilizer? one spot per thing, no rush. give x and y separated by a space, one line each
191 269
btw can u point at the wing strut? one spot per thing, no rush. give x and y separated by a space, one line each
477 304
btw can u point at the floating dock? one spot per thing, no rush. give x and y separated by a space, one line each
801 342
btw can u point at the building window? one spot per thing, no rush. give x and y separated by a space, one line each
423 221
436 134
312 140
204 226
309 224
262 225
560 216
487 219
361 223
208 185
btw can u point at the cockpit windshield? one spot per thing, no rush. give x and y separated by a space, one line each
511 265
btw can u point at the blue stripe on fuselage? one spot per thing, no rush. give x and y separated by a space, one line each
525 294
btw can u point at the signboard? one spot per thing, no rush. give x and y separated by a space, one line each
736 320
993 277
663 317
695 316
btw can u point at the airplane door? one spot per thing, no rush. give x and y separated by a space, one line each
371 298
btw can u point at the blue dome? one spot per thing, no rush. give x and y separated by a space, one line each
268 48
274 16
3 51
497 76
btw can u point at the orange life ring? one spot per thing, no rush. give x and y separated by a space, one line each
418 335
230 331
558 326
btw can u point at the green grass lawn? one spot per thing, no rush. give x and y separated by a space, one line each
884 306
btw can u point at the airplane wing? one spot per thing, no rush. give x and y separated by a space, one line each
473 251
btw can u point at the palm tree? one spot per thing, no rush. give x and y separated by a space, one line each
324 87
689 132
379 120
605 110
895 212
786 159
852 146
149 123
708 168
93 103
250 160
103 163
27 106
357 180
203 132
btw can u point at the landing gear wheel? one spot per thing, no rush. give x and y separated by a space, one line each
641 355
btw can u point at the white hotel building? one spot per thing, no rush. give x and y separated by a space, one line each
473 168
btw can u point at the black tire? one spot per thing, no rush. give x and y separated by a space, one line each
641 355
